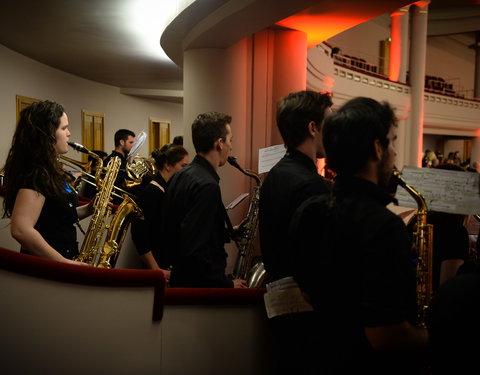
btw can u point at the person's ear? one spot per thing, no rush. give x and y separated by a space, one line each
219 144
378 148
311 127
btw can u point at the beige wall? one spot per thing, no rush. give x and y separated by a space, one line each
24 76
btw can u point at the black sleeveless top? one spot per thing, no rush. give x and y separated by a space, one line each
56 221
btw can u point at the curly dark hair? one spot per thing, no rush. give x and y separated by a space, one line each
33 157
349 134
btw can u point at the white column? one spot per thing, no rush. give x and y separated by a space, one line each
476 47
399 45
418 50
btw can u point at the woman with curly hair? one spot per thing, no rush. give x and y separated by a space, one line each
38 197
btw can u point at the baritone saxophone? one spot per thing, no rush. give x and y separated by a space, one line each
106 232
423 244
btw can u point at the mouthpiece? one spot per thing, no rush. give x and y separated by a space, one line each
78 147
232 160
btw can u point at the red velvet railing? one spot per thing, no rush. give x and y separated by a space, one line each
86 275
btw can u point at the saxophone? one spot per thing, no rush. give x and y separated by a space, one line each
423 242
97 251
245 268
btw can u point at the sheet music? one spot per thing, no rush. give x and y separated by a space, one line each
269 156
444 190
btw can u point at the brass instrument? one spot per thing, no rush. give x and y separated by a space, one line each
423 243
86 167
83 166
138 169
96 251
126 212
244 268
137 166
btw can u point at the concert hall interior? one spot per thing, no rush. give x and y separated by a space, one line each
239 57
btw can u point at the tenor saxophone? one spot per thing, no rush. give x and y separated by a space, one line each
423 243
245 268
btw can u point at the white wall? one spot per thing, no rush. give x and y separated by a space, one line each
446 57
363 41
452 61
20 75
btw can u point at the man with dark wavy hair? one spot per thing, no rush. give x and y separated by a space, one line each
354 255
194 215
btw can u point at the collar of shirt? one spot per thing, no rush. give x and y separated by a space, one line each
200 160
346 186
115 153
301 158
160 180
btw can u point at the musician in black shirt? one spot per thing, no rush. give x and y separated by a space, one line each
293 179
194 215
145 231
354 255
38 198
124 141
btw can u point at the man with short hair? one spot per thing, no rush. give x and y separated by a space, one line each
293 179
124 141
194 215
354 255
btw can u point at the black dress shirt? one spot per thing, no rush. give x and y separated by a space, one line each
354 260
292 180
194 227
146 231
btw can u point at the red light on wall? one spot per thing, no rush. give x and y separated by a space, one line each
320 27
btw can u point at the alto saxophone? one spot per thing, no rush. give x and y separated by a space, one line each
423 243
97 251
244 268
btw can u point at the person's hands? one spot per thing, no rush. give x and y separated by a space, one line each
167 275
238 283
238 230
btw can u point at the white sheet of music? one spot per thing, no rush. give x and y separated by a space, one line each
269 156
444 190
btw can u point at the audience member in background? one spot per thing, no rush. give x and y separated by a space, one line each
145 232
38 198
430 159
